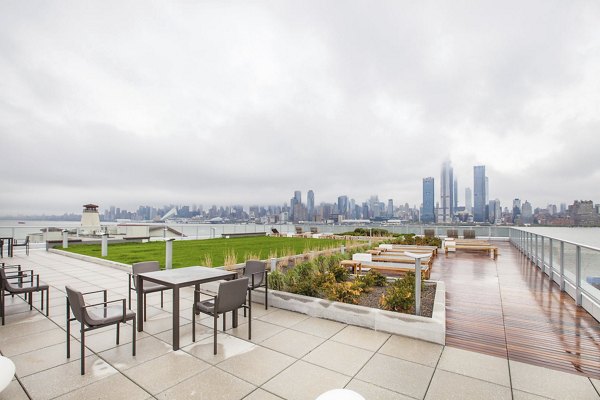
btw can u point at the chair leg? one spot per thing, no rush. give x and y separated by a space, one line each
30 301
68 333
250 321
215 333
145 305
133 338
224 321
266 293
2 304
129 286
118 325
47 302
82 349
193 325
161 299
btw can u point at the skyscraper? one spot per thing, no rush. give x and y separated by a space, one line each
479 192
455 194
310 205
428 213
468 200
446 193
343 205
390 208
298 196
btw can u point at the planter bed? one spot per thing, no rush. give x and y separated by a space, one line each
430 329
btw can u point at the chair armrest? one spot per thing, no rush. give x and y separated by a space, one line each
21 272
206 293
96 291
102 303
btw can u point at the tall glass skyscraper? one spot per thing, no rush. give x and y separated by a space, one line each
310 205
479 193
428 213
446 193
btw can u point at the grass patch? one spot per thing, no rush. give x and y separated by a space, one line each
197 252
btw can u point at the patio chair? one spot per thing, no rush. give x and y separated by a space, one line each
469 234
95 316
256 272
452 233
230 297
21 282
149 287
16 243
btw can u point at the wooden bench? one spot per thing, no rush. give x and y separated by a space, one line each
357 267
474 247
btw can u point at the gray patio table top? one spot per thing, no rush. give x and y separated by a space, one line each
175 279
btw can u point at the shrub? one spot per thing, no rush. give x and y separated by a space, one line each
301 280
339 272
400 296
276 280
376 277
345 292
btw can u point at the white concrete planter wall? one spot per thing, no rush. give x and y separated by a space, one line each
430 329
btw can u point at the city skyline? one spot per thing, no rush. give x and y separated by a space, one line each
220 103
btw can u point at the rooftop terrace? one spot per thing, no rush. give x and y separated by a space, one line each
511 334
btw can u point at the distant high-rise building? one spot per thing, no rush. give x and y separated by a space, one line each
298 196
342 205
446 193
516 211
390 208
455 196
479 193
526 213
468 200
310 205
428 212
563 208
495 211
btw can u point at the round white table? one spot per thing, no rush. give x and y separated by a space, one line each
7 372
340 394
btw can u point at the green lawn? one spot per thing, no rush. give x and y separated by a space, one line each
211 252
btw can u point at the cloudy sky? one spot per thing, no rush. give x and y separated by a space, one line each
140 102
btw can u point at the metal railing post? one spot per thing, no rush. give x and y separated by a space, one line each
543 255
537 263
551 261
562 266
578 275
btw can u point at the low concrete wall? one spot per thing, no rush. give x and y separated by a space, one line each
95 260
429 329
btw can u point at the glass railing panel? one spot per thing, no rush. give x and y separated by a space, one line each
570 262
590 272
555 255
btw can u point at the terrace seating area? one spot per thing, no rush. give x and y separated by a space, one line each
290 355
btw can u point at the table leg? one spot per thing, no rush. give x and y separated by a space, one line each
139 285
176 318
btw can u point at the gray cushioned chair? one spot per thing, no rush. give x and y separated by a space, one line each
14 280
94 316
149 287
256 272
230 297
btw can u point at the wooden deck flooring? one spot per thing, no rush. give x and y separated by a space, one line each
509 308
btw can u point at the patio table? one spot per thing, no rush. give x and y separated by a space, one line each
175 279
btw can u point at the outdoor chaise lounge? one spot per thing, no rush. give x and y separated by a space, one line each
95 316
14 280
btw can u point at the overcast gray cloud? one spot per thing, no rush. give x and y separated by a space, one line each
155 103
